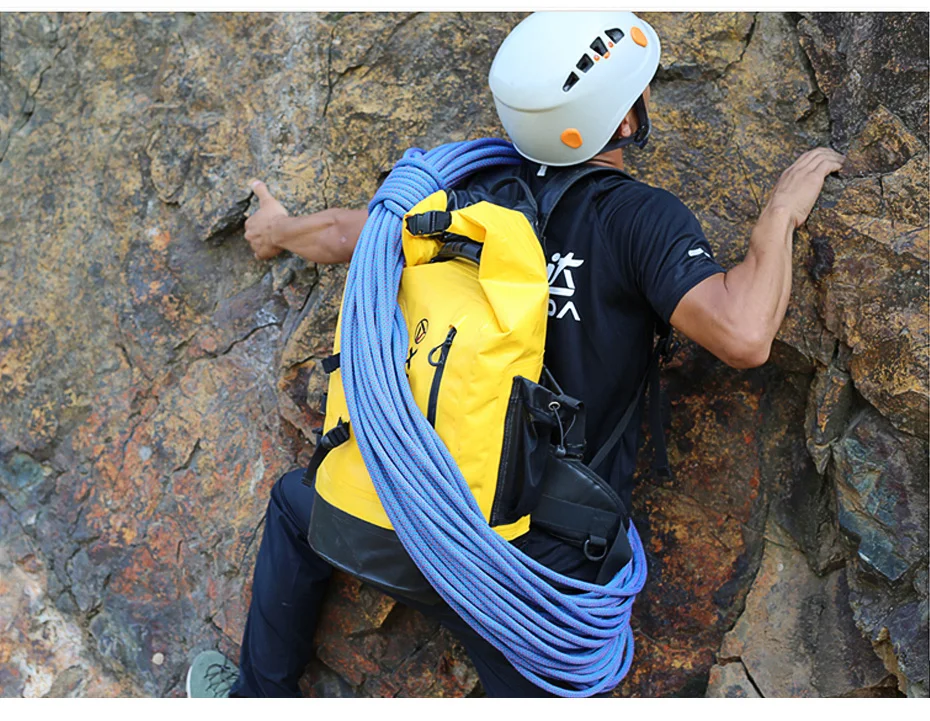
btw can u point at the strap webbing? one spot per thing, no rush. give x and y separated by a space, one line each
657 431
660 467
574 521
330 363
553 192
617 557
621 426
336 436
548 198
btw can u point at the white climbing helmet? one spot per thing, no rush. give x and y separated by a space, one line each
563 81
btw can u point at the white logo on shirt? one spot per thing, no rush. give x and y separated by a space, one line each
560 270
695 252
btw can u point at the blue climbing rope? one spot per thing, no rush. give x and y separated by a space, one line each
569 637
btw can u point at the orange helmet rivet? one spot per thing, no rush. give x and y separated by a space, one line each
571 137
638 37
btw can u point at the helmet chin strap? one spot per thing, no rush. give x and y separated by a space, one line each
640 137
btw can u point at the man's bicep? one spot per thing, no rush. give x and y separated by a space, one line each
700 314
706 314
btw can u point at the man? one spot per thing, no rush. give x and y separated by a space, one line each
626 260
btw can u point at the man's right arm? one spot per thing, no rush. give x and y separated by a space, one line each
325 237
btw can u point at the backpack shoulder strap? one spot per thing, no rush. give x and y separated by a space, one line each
662 350
553 191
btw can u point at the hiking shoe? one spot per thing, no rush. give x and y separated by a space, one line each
211 675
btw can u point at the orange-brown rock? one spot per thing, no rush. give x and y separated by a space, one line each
155 379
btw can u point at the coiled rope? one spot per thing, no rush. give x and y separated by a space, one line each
569 637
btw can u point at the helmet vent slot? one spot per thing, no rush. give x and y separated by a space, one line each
599 47
570 82
585 64
615 34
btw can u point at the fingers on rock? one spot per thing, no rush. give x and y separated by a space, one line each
261 190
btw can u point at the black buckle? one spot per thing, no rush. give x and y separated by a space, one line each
574 450
336 436
641 137
429 223
667 346
330 363
602 542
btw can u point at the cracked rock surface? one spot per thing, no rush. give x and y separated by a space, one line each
155 379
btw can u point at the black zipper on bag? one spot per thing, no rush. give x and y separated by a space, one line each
510 421
440 366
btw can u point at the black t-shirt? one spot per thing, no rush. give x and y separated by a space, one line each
622 254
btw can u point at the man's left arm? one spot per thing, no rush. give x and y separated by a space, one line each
736 315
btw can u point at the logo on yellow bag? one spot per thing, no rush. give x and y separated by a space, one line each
420 332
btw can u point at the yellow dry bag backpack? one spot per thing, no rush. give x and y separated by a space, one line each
474 293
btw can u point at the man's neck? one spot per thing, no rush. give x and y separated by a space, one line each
611 159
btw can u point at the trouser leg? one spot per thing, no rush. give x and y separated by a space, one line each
288 586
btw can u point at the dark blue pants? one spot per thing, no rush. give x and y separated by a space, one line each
287 593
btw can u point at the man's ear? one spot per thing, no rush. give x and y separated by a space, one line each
625 130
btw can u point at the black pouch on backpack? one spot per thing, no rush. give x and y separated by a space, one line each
542 474
535 415
579 507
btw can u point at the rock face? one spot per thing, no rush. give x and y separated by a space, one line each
155 379
796 637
